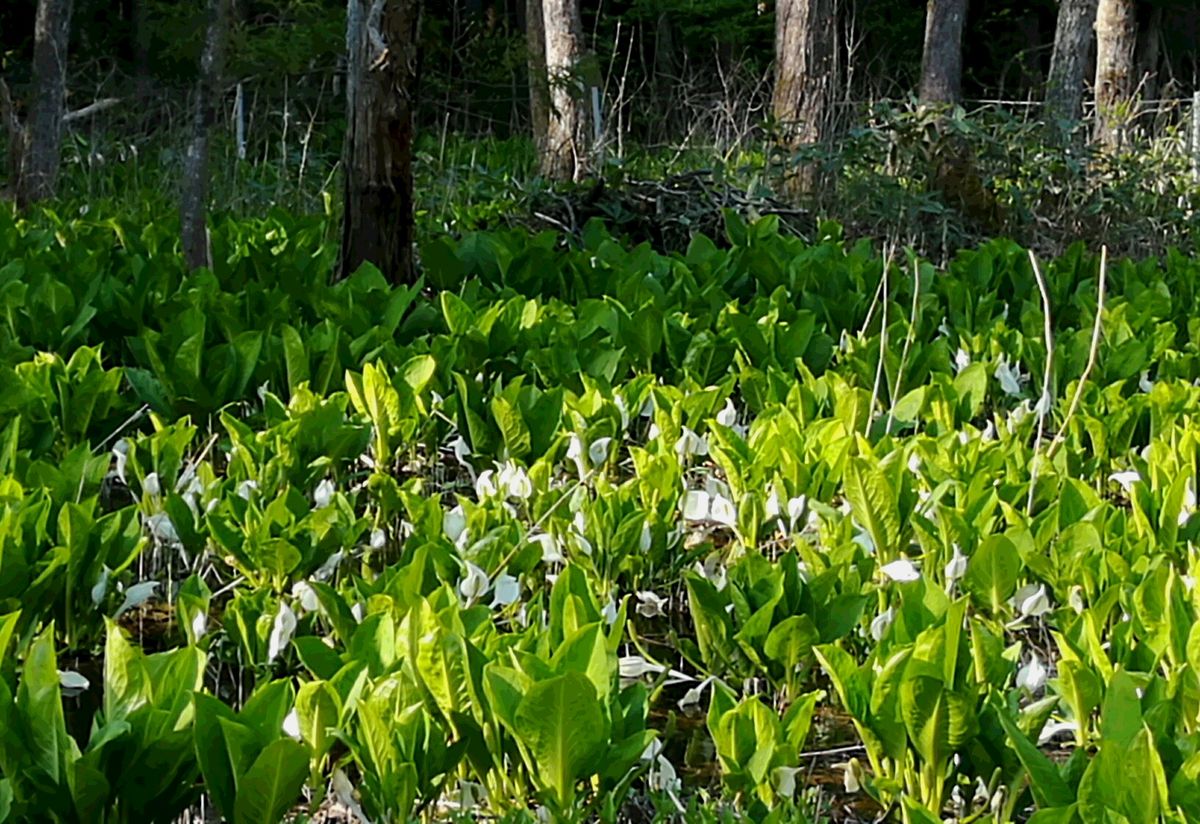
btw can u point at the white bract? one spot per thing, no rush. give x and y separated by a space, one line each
485 485
306 596
162 529
461 451
323 496
291 724
695 505
598 451
690 443
1144 382
784 780
728 414
378 539
1126 479
72 682
957 566
474 585
246 489
326 570
151 486
1031 600
1189 501
692 697
506 590
199 624
576 453
551 551
137 595
647 538
282 629
650 605
120 454
343 791
514 481
454 524
100 589
902 571
1010 377
1032 676
881 623
961 360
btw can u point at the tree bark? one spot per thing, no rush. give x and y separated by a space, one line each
804 77
539 88
568 154
382 78
1116 48
197 251
1068 62
43 145
941 62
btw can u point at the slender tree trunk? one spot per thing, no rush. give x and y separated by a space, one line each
43 145
197 250
1068 63
539 88
941 62
568 154
804 77
1116 47
382 79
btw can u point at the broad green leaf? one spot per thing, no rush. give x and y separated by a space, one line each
993 572
873 503
272 785
559 720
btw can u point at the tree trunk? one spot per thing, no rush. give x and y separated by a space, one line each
569 133
1068 63
1116 47
197 250
382 39
941 62
43 145
804 77
539 89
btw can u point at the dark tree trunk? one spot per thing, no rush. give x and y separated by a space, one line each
382 39
941 62
1116 47
1149 51
197 250
804 77
539 89
568 154
1068 63
43 140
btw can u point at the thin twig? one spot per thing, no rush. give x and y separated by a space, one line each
908 342
90 109
1091 362
883 342
1043 407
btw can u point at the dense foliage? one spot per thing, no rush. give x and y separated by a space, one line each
569 524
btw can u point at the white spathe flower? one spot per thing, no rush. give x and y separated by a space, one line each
378 540
1010 377
151 486
961 360
863 539
728 414
162 529
120 452
485 484
1075 599
690 443
1054 729
1032 676
454 524
902 571
598 451
956 567
662 776
1189 501
650 605
137 595
1019 413
357 611
632 667
692 697
851 780
646 541
514 481
282 629
199 624
461 450
246 489
695 505
306 596
323 495
723 511
609 612
1144 382
914 463
623 409
784 780
507 590
551 551
989 432
881 623
1032 601
577 454
291 724
1044 404
100 589
474 585
326 570
1126 479
72 683
712 569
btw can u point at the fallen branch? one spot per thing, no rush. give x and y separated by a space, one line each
91 109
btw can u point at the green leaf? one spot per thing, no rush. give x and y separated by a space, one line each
39 697
295 357
559 720
993 572
1049 789
272 785
873 503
